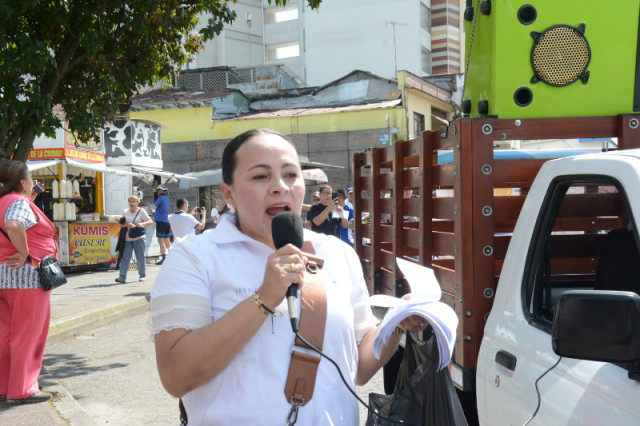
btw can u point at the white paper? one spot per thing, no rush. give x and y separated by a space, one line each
424 302
339 215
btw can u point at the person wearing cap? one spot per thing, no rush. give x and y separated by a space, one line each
352 226
345 222
163 227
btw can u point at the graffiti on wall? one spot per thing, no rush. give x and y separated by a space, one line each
132 139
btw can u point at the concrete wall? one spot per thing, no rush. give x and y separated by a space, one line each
335 148
343 35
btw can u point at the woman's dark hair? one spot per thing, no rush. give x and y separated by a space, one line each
11 173
229 154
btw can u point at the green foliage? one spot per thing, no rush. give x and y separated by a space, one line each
89 56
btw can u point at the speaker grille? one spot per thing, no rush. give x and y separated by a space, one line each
560 55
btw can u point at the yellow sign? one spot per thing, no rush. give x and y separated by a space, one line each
46 153
93 242
84 155
51 153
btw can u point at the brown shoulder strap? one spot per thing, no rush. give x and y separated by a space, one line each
313 317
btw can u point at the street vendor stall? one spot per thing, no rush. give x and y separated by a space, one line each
72 177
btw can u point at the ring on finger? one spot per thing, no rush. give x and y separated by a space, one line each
293 267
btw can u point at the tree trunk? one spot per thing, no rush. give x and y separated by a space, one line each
25 142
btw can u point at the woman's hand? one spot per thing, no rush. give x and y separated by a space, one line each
284 267
414 323
16 260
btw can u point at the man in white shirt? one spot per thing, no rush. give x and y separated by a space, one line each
218 210
183 223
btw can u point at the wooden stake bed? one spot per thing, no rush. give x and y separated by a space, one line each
461 219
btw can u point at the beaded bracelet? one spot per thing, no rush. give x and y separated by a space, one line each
398 330
264 309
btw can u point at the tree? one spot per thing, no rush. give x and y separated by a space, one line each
89 56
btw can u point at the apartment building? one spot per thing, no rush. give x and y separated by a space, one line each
424 37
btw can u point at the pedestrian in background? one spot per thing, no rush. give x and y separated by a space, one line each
183 223
218 210
163 227
315 199
322 215
350 201
135 219
24 306
352 225
219 345
347 217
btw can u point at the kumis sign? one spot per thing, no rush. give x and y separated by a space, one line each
93 242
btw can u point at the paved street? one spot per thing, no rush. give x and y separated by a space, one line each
111 373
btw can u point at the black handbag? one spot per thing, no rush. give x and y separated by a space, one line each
137 232
50 273
49 270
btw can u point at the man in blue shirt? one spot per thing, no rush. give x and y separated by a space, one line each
163 228
343 226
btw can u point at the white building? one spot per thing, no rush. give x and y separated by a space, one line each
424 37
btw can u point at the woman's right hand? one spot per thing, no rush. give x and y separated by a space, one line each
16 260
285 266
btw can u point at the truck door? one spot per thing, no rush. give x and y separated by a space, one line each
556 247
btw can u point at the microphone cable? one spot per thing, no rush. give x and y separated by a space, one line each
538 391
371 410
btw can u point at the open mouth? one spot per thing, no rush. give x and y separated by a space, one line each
275 209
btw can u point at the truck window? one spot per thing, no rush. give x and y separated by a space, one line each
582 240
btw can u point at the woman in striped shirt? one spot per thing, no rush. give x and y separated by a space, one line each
24 306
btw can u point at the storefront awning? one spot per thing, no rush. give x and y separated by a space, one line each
214 177
203 178
99 167
41 164
168 175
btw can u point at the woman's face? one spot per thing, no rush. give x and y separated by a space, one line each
267 180
27 184
133 204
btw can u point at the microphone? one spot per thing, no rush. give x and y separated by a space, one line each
286 228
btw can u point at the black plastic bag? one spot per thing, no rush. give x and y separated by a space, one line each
422 396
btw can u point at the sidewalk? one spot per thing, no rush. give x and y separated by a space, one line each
89 300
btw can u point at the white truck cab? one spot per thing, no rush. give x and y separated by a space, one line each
576 239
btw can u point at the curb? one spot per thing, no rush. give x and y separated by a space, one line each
95 317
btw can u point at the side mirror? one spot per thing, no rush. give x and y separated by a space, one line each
597 325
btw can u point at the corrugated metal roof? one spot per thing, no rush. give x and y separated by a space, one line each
175 96
292 112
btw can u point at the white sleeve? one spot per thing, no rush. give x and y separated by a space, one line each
20 210
181 296
194 221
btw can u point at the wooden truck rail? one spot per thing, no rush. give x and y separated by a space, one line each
461 219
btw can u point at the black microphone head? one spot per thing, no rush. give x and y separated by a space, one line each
286 228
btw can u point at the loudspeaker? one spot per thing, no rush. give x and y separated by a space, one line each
552 58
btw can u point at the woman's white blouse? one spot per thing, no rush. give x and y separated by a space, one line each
205 276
